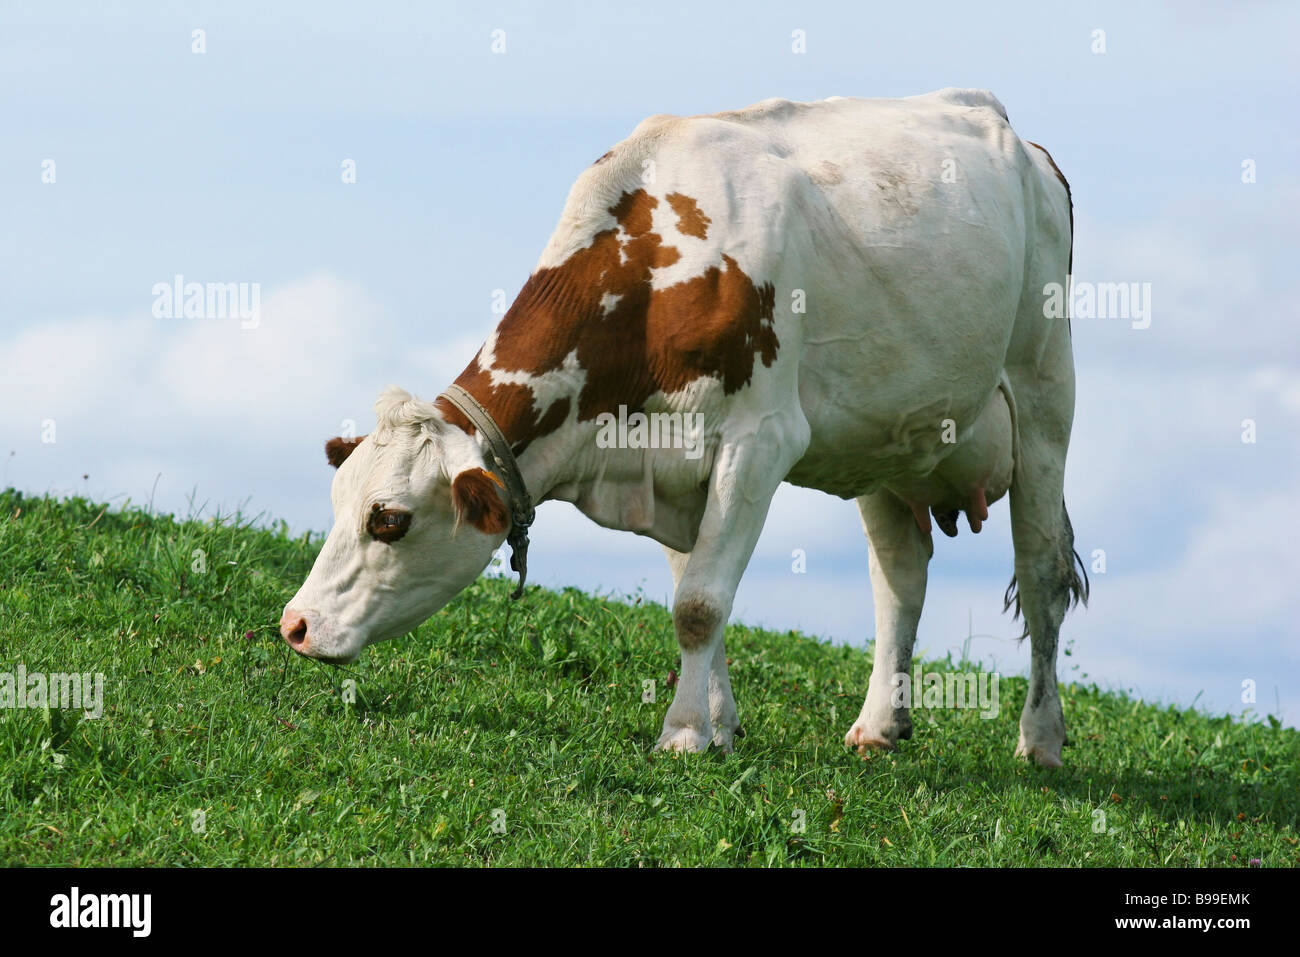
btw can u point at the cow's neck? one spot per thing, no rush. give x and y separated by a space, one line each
654 492
560 457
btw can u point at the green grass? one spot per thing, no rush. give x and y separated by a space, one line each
531 714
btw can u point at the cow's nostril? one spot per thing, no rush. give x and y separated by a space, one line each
294 631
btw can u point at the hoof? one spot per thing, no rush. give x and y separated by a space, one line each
1042 734
1044 756
683 739
866 738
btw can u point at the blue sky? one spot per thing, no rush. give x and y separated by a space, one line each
225 166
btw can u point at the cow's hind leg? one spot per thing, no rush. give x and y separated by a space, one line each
900 556
1040 375
1047 578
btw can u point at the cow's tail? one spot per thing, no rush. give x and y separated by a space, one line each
1074 572
1074 575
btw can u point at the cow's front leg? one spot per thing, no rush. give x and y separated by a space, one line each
688 725
744 479
722 704
900 555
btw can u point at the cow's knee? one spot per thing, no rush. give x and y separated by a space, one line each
697 618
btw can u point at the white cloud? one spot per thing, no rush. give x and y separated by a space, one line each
1224 290
206 403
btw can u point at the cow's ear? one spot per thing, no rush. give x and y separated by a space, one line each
338 449
476 495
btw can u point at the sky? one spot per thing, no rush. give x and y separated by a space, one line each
136 150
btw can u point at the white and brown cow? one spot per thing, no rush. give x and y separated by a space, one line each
849 294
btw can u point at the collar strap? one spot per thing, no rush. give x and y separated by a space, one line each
501 461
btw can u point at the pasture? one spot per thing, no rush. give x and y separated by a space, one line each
505 733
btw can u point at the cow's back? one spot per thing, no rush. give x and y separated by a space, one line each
885 239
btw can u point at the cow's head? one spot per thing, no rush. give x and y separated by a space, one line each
416 518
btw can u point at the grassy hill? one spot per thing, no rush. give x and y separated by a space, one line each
515 733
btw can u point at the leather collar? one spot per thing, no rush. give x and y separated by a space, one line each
502 462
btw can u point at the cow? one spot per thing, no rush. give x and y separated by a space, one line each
847 295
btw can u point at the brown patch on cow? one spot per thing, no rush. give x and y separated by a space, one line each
716 324
691 220
695 621
475 493
635 213
338 449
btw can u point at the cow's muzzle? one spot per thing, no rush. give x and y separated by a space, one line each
296 629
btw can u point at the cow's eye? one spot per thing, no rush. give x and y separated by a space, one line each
387 524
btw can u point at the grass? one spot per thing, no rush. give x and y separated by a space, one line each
505 733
